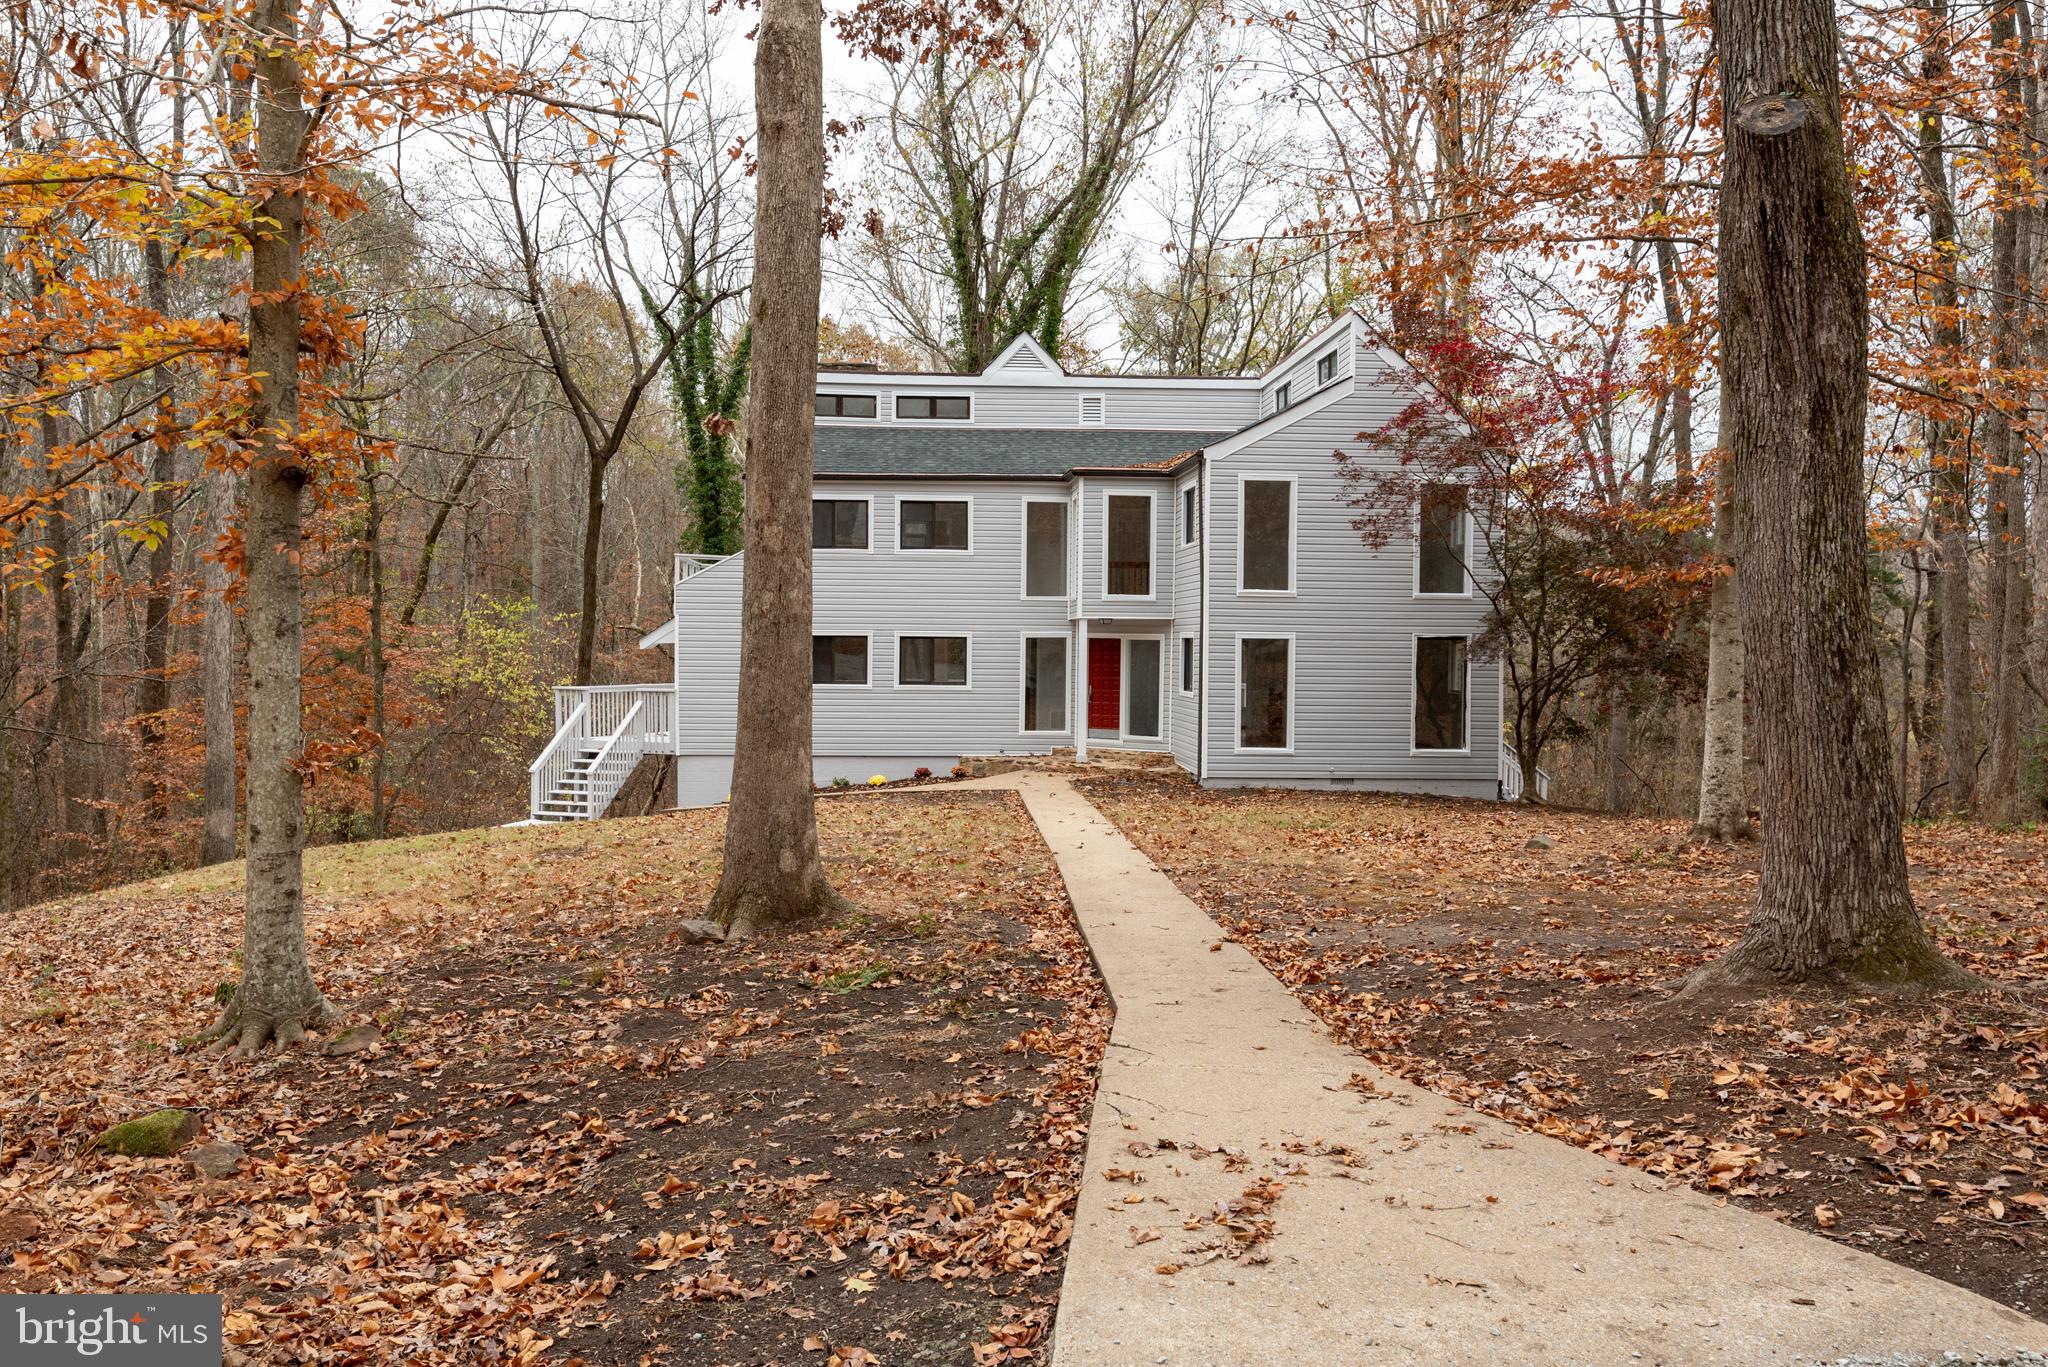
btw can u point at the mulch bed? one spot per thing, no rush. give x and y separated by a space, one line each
1536 985
580 1139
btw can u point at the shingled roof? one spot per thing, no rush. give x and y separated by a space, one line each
995 451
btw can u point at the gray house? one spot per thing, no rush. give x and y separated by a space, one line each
1024 560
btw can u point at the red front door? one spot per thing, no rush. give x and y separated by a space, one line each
1105 683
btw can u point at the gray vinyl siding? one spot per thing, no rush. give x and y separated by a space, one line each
1187 621
1156 406
1096 490
1353 617
1298 372
884 593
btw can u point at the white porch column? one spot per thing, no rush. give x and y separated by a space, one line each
1080 717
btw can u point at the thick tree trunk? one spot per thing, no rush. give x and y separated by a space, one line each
1724 793
593 539
373 556
277 998
217 678
1833 900
772 873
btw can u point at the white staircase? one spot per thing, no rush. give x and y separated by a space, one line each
1511 781
600 736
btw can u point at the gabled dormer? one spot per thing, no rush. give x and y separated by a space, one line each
1024 359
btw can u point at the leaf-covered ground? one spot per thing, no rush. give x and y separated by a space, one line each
1535 985
579 1139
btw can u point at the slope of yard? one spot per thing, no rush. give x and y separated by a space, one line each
1535 984
580 1139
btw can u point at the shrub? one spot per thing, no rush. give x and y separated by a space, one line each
922 772
959 771
842 782
877 780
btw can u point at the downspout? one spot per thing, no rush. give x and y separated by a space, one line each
1202 644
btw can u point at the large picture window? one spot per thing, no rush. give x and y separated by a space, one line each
1045 548
1128 567
952 407
1045 683
839 524
1442 681
1264 667
934 661
924 524
1441 564
1266 536
839 661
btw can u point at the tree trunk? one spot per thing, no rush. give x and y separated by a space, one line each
593 537
217 644
772 873
373 558
277 998
1724 793
1833 900
153 690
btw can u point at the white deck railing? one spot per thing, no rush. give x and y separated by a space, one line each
600 735
1511 782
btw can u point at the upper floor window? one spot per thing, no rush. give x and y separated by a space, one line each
1127 569
1442 538
1283 398
1265 536
839 524
840 661
845 406
926 524
1190 514
1326 367
954 407
1045 548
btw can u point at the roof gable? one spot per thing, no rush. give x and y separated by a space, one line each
1024 356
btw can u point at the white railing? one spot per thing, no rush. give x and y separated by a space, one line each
1511 782
687 564
601 733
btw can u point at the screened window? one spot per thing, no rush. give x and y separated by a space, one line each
1045 683
1326 368
839 660
1263 668
1442 676
1267 536
1130 546
948 406
839 524
1190 514
931 525
845 406
933 660
1187 664
1045 550
1442 550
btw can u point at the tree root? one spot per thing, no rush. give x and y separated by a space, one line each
747 913
1894 969
245 1030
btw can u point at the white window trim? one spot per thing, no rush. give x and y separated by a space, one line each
1189 526
1237 694
868 549
1414 658
1189 658
902 549
1331 356
1024 640
868 636
1024 546
1415 530
1124 734
1293 534
896 662
1151 498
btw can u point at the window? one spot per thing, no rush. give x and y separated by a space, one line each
924 524
1442 673
1187 665
1190 514
839 661
839 524
844 406
1128 567
1045 683
1440 556
1265 536
1262 697
931 660
1045 548
1283 398
953 407
1326 367
1143 660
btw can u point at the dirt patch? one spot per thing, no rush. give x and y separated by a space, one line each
579 1139
1536 986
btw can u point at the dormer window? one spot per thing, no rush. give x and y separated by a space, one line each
1283 398
844 406
919 407
1326 368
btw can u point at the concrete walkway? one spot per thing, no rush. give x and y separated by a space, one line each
1407 1229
